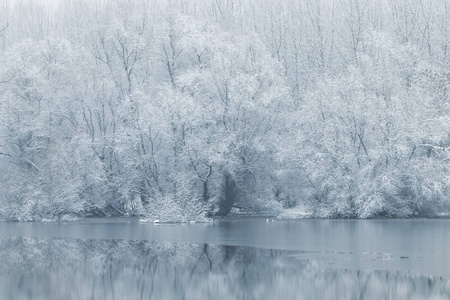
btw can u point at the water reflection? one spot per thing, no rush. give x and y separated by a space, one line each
62 268
417 246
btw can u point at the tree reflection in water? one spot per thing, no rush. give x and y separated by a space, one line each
49 268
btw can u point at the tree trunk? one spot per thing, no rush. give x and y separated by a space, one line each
230 195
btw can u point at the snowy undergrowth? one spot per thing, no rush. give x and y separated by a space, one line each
173 210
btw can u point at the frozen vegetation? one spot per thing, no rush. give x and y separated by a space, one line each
180 110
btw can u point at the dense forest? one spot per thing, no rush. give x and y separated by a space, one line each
178 110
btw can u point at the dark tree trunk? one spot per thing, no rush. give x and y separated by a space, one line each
206 195
230 195
143 194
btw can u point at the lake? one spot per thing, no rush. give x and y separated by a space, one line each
240 258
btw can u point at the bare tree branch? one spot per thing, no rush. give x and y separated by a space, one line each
4 28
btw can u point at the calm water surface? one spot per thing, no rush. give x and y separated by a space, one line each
249 258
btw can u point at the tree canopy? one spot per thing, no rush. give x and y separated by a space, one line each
176 110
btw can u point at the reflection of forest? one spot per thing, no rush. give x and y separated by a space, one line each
42 268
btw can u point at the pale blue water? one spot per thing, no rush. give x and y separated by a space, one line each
250 258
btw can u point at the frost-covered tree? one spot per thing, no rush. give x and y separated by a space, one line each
224 94
361 133
174 109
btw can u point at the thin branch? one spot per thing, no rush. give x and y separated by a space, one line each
4 28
